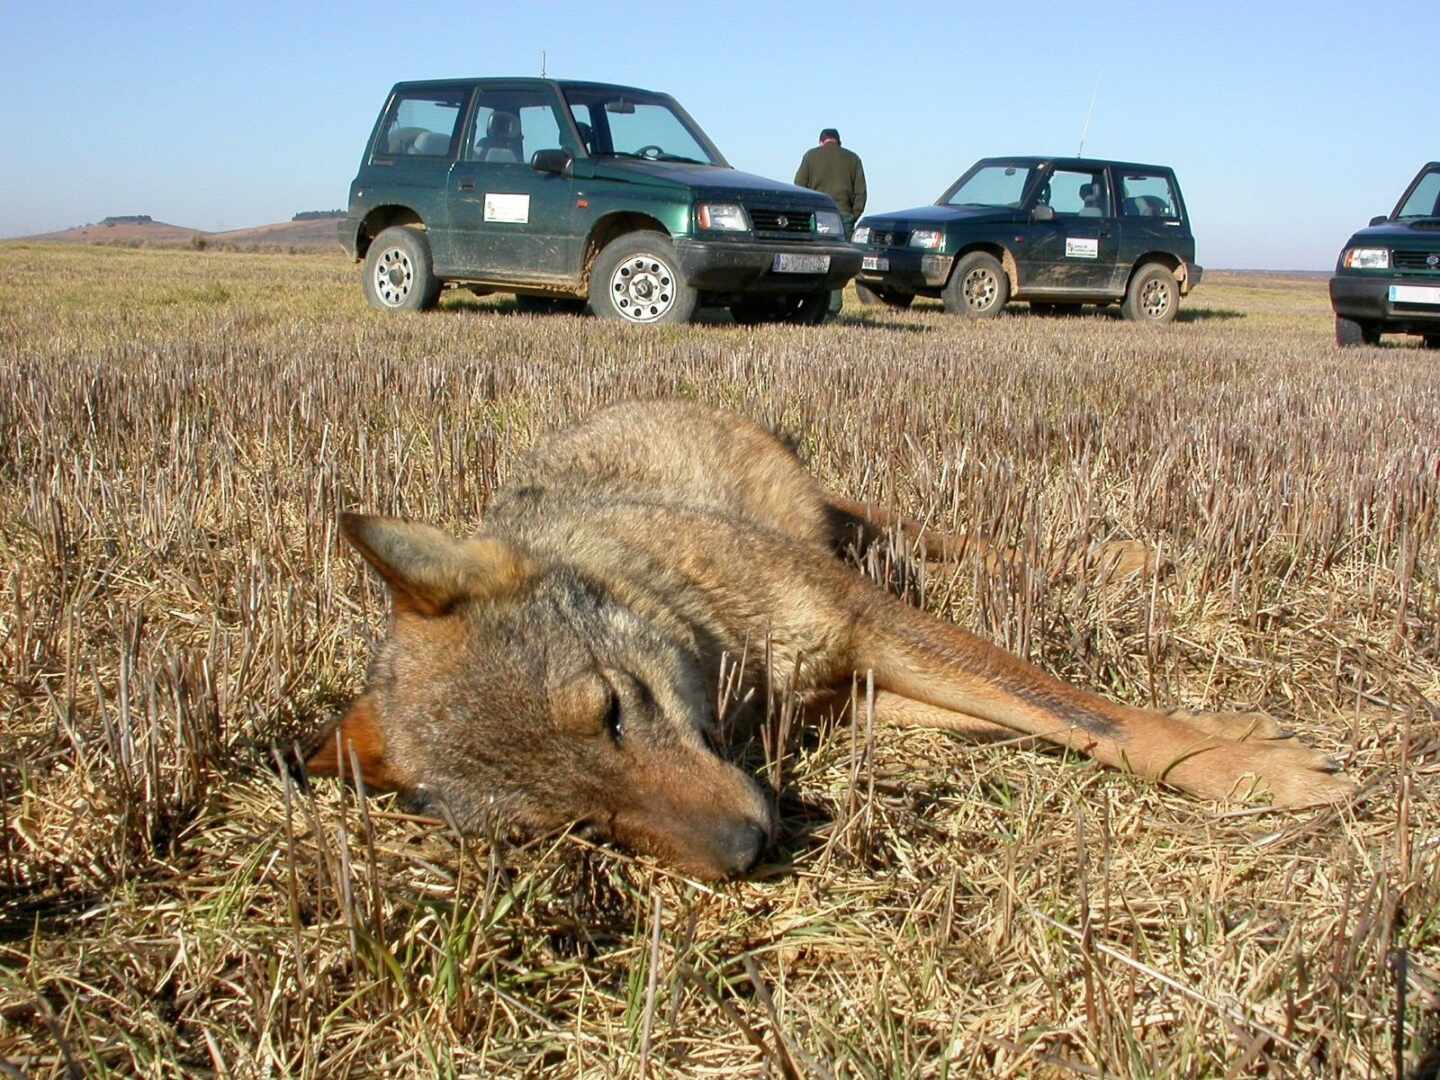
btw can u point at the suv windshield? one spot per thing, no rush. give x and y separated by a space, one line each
633 124
1424 201
995 186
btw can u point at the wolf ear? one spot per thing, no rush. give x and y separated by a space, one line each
358 730
429 571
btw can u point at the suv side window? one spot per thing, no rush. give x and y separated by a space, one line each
1147 195
1073 193
510 125
422 123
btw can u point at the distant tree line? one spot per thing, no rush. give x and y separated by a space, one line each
311 215
127 219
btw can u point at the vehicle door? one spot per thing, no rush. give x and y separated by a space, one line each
1076 250
413 152
510 221
1151 216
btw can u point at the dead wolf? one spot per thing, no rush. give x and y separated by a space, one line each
561 665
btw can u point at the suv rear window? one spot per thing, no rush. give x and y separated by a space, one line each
422 122
1147 195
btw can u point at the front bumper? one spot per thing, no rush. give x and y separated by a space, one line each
1366 298
747 266
907 270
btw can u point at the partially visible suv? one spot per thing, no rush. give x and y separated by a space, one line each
1058 232
1387 279
572 192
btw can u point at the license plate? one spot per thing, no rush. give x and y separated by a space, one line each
1414 294
875 262
801 264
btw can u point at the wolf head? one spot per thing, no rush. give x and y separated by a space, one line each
516 690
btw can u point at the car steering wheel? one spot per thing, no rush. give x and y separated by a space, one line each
651 152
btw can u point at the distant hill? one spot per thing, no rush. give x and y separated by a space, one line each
309 230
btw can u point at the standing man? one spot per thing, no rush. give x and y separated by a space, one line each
837 172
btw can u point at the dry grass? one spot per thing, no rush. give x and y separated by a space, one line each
177 433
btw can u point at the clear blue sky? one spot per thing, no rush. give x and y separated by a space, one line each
1289 123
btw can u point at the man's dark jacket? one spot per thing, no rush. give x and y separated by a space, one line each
837 172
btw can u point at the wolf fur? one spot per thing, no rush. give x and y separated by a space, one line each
562 665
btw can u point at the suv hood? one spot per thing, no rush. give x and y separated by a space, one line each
706 179
1421 233
942 215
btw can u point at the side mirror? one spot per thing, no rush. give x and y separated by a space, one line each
1043 213
552 161
1381 220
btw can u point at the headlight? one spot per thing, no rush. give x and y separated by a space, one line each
929 239
723 217
1367 259
861 235
828 223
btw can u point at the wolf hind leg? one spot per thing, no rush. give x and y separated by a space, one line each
864 524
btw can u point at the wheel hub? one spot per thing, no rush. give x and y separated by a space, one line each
643 288
394 277
980 289
1155 299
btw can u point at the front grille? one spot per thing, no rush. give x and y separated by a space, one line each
883 238
1416 260
781 222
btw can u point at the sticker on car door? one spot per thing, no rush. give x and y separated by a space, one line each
1078 247
509 208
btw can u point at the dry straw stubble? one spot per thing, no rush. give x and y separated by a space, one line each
181 429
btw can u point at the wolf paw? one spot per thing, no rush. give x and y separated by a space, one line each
1119 559
1241 726
1289 774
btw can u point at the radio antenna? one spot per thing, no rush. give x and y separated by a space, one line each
542 63
1084 131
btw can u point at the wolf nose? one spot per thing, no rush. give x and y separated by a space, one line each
746 842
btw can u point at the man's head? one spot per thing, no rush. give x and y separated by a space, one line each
829 135
512 690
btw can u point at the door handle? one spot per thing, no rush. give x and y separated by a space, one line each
466 185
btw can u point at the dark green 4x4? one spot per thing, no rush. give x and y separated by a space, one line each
1058 232
1387 280
572 192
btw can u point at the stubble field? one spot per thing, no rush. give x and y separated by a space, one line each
178 431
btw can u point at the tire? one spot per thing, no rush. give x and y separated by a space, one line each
1350 332
1153 296
978 287
637 280
898 300
549 305
399 274
795 309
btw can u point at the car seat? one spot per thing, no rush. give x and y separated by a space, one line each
1094 199
502 144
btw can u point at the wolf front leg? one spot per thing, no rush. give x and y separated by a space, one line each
935 663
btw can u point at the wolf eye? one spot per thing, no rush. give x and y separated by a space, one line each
613 721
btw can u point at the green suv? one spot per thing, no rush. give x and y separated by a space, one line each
1058 232
568 193
1387 279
